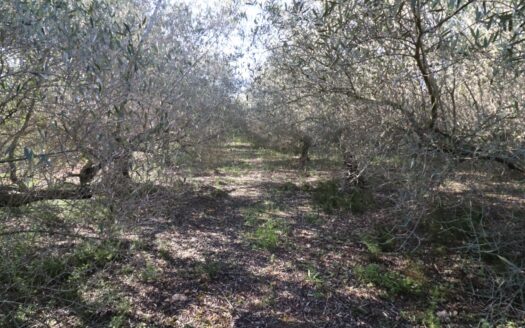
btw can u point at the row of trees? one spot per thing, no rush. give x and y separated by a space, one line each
417 91
415 78
84 85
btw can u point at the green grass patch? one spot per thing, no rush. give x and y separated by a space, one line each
269 235
313 276
266 232
252 215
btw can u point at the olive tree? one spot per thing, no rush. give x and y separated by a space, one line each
418 79
414 89
88 85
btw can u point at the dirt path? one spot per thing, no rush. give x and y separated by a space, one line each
249 250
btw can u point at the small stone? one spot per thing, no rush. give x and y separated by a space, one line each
442 314
179 298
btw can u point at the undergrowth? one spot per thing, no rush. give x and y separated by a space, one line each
393 283
330 198
270 234
47 266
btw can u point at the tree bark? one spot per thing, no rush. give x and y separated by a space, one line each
13 175
17 199
424 68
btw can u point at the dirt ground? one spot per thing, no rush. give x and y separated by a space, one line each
212 272
241 244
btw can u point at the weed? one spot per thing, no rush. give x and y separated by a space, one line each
209 270
127 269
313 276
360 201
372 246
394 283
146 188
122 307
117 321
51 268
329 198
430 319
452 225
165 253
235 168
416 271
24 313
270 298
219 193
48 279
269 234
380 239
97 254
312 218
306 187
149 273
138 245
289 187
251 216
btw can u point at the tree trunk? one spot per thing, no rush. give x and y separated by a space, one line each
15 199
351 176
306 143
424 67
88 173
123 165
